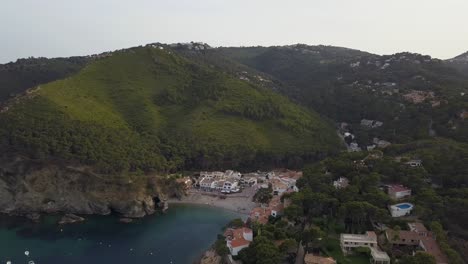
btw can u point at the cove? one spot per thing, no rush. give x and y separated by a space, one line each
178 236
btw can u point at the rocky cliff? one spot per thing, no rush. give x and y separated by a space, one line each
31 187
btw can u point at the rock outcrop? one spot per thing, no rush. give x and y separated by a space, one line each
30 187
70 219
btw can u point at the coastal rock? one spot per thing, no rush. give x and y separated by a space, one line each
125 220
210 257
33 216
32 186
70 219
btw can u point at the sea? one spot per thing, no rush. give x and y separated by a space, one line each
180 235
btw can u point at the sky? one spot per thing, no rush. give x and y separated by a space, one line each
60 28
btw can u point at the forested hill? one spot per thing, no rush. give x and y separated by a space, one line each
460 63
412 94
147 108
16 77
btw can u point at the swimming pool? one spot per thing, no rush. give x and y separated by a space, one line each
404 206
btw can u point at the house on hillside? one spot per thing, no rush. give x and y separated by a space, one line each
341 183
348 242
414 163
417 238
238 239
381 143
354 147
371 123
398 191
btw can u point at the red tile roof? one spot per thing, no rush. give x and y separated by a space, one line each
393 188
238 239
431 247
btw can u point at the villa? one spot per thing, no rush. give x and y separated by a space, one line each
348 242
398 191
238 239
401 209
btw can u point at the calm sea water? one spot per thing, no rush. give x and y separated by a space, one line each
179 236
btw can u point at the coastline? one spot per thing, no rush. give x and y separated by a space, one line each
241 205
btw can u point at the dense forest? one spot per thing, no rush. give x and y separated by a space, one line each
149 109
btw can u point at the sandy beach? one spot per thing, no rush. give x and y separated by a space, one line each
237 204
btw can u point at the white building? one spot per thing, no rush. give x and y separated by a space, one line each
211 174
379 257
414 163
208 183
232 174
230 185
401 209
350 241
342 182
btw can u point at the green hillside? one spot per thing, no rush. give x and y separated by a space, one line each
150 109
16 77
348 85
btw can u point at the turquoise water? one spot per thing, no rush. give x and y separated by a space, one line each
179 236
404 206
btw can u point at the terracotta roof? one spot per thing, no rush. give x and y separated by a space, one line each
431 247
393 188
260 215
403 237
238 239
312 259
371 234
417 227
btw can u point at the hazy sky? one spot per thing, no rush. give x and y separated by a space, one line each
64 27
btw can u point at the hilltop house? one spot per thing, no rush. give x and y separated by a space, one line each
238 239
398 191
